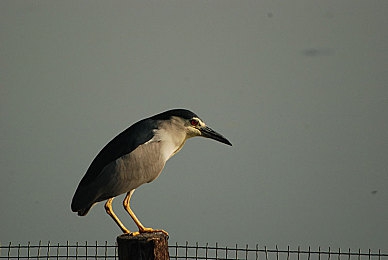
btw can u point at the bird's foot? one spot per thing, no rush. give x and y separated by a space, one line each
148 230
132 234
126 231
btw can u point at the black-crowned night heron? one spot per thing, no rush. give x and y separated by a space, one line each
137 156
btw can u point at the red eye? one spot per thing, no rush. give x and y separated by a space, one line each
194 122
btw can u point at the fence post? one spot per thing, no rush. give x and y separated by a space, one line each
153 246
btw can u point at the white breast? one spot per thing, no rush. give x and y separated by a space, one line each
171 139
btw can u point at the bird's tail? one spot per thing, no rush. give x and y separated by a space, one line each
84 211
82 201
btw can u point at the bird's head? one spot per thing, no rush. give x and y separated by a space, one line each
191 124
196 127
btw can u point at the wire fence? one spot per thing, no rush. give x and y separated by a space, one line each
186 251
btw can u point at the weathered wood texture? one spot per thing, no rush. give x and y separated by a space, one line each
146 246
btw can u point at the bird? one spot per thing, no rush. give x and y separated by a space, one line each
134 157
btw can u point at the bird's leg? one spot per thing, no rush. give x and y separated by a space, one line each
109 210
142 229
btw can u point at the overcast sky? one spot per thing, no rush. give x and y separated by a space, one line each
298 87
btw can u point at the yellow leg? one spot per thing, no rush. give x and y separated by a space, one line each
142 229
109 210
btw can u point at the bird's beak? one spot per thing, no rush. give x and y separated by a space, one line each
210 133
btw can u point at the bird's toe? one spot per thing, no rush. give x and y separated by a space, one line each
151 230
132 234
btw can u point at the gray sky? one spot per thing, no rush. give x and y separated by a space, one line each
298 87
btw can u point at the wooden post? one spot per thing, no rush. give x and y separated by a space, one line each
145 246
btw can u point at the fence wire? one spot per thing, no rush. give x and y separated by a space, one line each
186 251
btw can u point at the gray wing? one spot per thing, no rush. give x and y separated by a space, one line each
122 144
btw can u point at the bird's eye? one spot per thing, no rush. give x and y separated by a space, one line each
194 122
